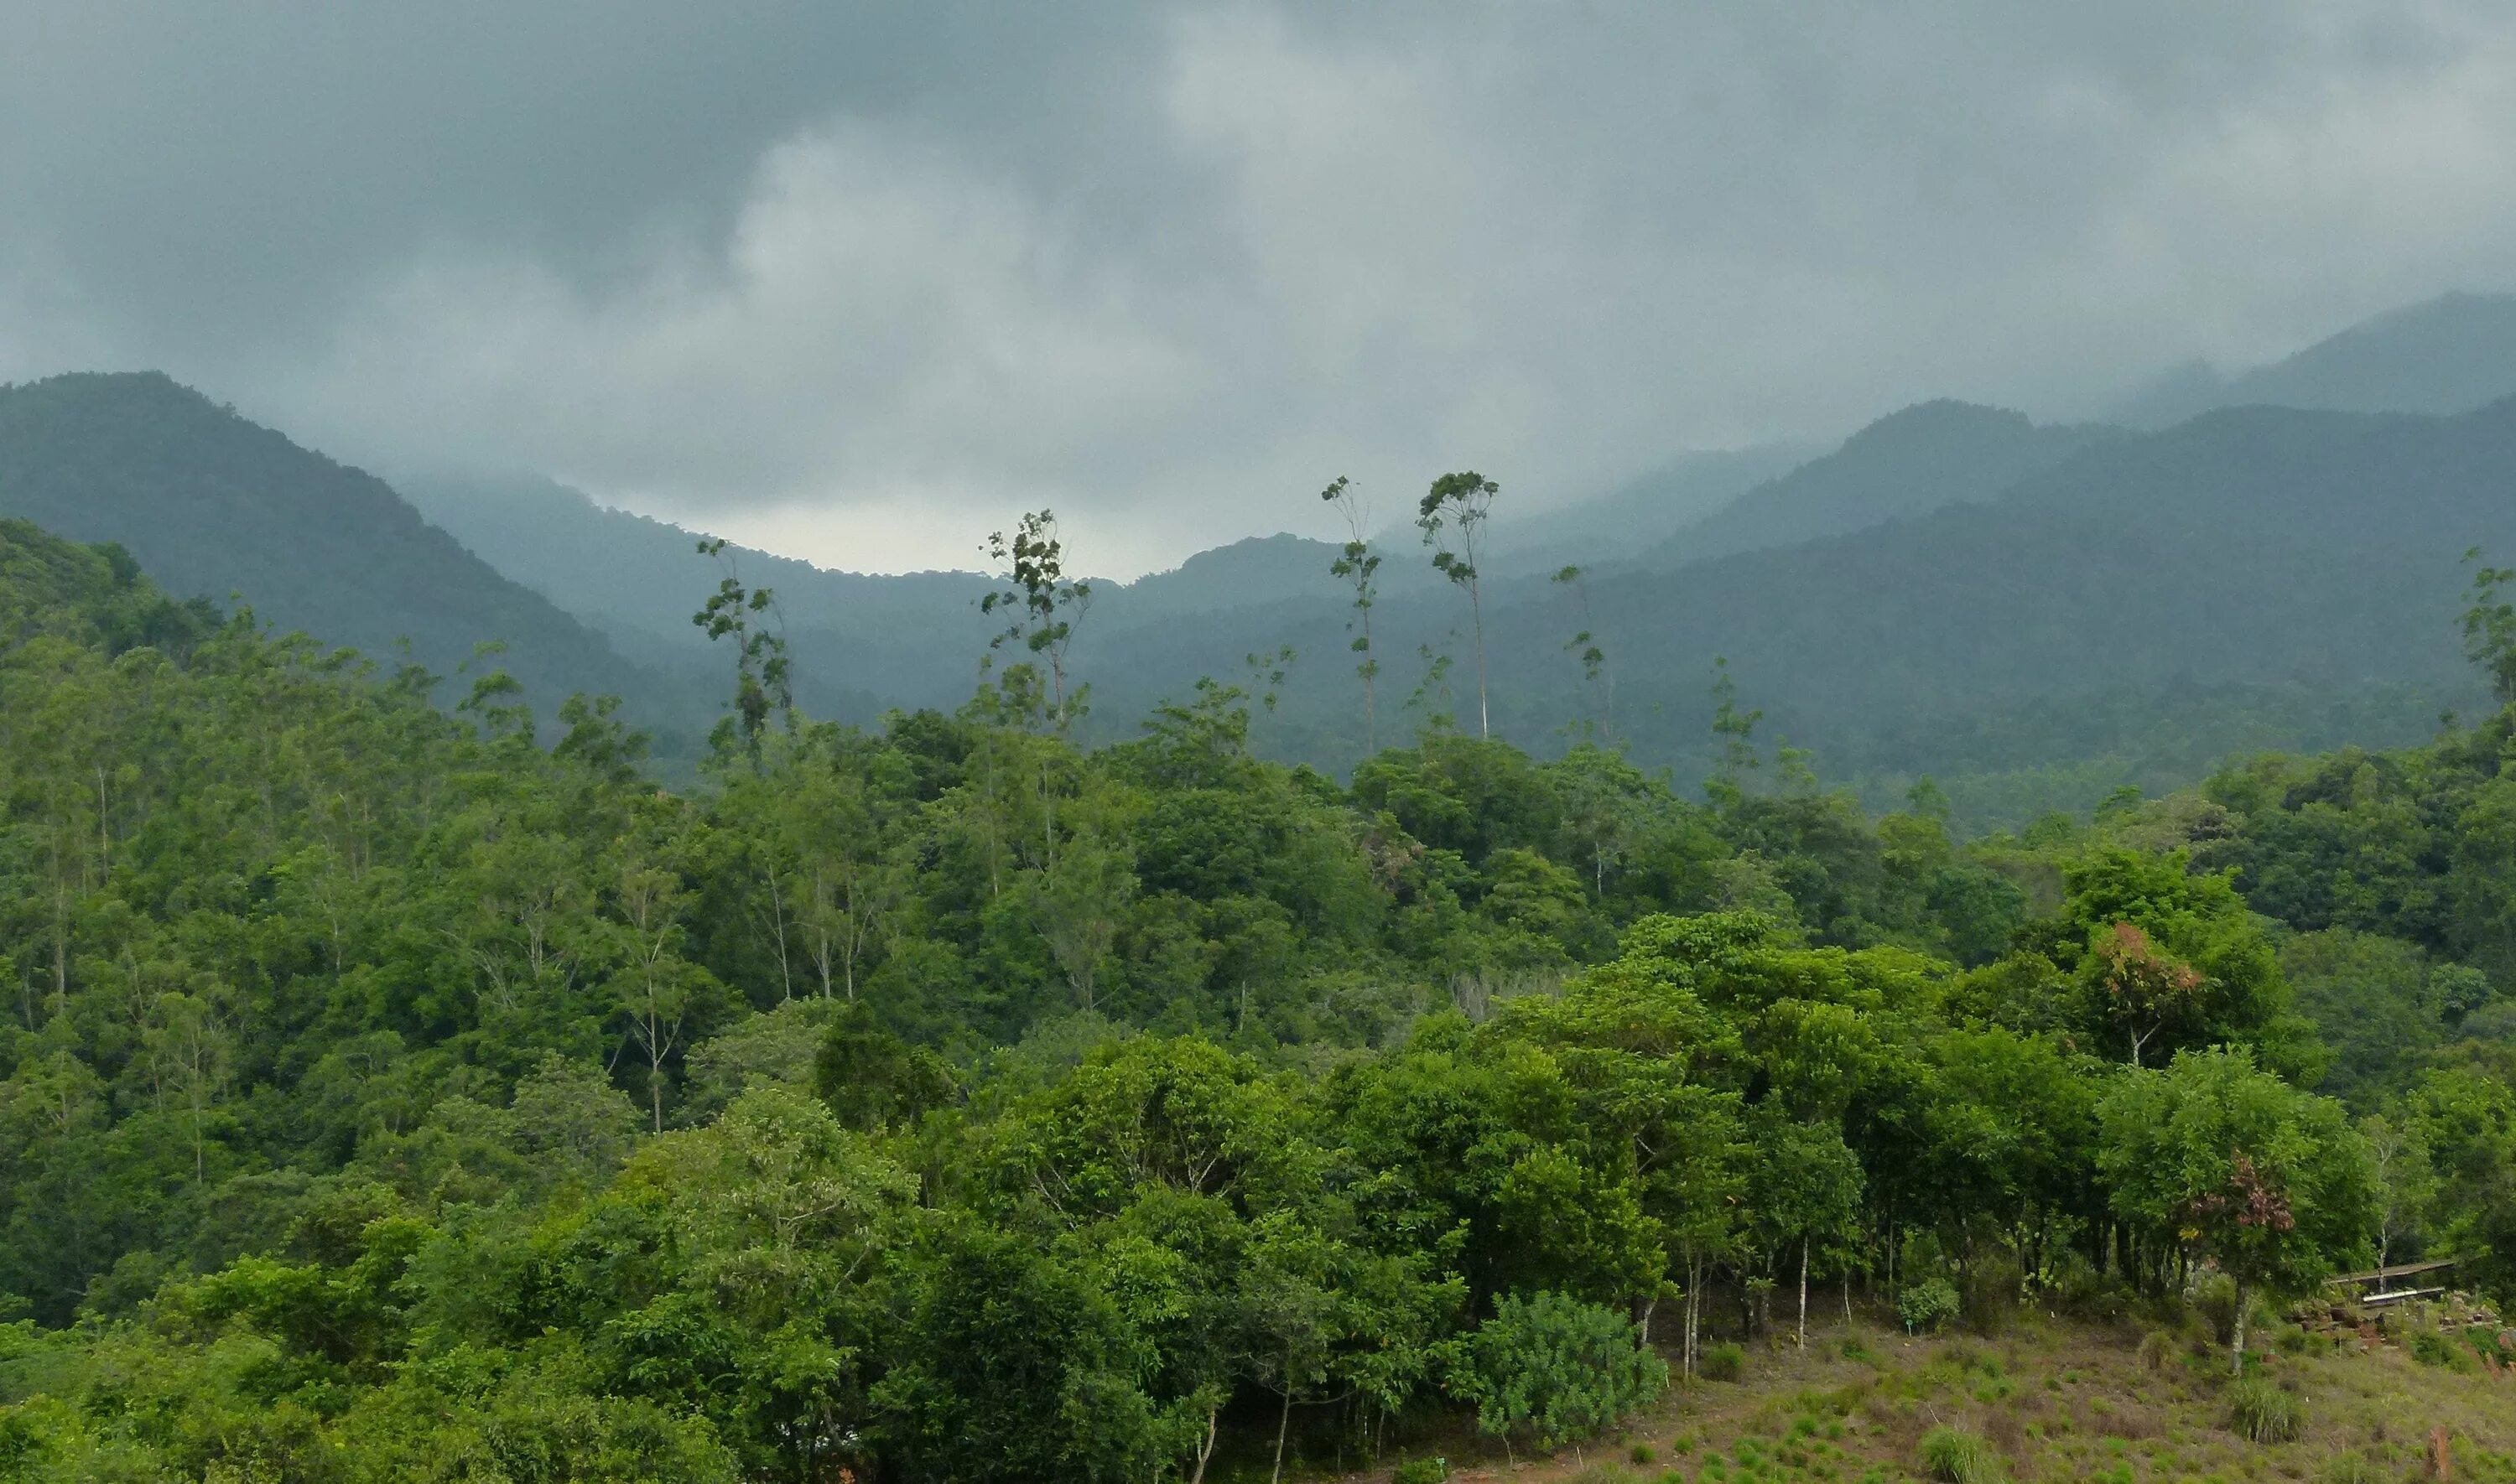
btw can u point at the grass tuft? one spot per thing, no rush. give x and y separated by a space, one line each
1954 1456
2263 1412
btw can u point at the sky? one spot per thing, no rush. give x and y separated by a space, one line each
859 282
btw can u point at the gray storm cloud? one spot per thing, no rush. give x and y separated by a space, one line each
862 281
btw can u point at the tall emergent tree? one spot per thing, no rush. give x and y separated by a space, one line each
1045 605
1585 647
1357 564
1737 731
1453 516
761 681
2489 626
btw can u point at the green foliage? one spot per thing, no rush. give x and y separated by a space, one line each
1553 1369
2270 1183
1923 1308
2489 627
1421 1471
871 1078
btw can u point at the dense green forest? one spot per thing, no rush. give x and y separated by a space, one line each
389 1092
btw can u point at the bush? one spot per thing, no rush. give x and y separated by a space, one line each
2431 1347
2263 1412
1641 1453
1555 1369
1926 1306
2156 1347
1954 1456
1722 1362
1421 1471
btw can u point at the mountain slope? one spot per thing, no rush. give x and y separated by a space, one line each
2252 578
213 505
2451 354
1913 461
2278 574
55 589
859 642
1611 526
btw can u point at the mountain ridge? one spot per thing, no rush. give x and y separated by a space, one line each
2449 355
212 505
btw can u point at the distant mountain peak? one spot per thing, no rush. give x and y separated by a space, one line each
1948 411
2440 357
1910 461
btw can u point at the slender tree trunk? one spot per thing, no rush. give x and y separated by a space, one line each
1207 1451
656 1073
1371 721
1283 1421
2237 1347
1801 1339
1693 1312
778 918
1477 613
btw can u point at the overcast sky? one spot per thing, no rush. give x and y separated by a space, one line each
859 282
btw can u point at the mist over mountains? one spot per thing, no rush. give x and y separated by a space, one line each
2050 609
2449 355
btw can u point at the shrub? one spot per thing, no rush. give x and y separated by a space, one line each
1422 1472
1926 1306
2155 1349
1954 1456
1641 1453
2083 1289
2263 1412
2353 1468
1722 1362
2432 1348
1554 1369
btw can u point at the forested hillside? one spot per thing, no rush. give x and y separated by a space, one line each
2254 578
1910 462
213 505
393 1095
